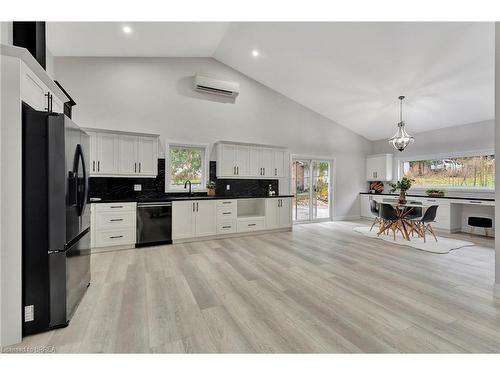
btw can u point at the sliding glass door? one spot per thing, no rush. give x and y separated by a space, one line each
311 187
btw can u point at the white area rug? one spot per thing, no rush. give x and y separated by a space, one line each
442 246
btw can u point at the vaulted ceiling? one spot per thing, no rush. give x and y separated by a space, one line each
351 73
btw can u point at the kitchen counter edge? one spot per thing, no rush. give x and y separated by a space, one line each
175 199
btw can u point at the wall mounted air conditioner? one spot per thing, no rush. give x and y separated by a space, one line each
216 86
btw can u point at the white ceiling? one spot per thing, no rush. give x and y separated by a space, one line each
167 39
351 73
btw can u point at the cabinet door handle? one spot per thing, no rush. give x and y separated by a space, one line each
193 206
115 237
139 167
234 170
196 206
48 101
116 220
98 166
115 206
135 167
93 166
252 225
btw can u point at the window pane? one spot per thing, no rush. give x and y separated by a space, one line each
186 163
467 172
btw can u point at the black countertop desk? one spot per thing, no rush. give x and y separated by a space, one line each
167 198
426 196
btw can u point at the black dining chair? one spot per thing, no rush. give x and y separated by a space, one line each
390 220
375 211
423 224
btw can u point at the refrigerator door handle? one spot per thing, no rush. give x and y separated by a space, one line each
82 201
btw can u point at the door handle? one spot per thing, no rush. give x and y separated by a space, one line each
196 206
135 167
98 166
237 170
193 206
275 171
139 167
234 170
93 166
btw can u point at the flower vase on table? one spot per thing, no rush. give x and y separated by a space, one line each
403 186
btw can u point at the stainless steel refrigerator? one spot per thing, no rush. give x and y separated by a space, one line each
56 219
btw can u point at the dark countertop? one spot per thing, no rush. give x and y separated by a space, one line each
426 196
182 198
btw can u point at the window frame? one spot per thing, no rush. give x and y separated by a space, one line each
447 155
204 172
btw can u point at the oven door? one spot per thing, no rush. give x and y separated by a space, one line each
154 224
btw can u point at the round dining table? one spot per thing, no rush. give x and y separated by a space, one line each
402 211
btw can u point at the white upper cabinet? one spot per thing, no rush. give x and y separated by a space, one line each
379 167
127 154
118 154
147 155
37 95
251 161
107 148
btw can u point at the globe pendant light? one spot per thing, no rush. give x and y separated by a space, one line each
401 139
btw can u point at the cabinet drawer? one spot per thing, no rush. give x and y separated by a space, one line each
227 203
226 213
118 219
114 237
114 207
226 227
251 224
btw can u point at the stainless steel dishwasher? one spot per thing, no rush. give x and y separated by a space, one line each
154 223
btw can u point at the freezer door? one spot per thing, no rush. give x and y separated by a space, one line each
77 272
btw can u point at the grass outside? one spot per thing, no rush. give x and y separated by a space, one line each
442 181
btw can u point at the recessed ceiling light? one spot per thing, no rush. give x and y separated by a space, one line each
255 53
127 29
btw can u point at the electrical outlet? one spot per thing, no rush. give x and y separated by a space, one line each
137 187
228 187
29 313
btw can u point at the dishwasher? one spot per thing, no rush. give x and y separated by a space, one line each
154 223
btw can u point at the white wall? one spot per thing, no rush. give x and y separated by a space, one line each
6 32
449 141
156 95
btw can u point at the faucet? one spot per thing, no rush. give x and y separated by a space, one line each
185 186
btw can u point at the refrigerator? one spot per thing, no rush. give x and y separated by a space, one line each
56 219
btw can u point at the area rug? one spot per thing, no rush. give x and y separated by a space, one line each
442 246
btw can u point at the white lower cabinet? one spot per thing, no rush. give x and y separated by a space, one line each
113 224
278 213
203 218
193 219
365 201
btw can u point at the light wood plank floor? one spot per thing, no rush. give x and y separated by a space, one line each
320 288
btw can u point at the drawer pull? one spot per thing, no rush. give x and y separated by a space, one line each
113 237
115 206
227 202
475 202
431 200
116 220
226 213
252 225
226 227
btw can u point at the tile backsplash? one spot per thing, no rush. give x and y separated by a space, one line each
154 188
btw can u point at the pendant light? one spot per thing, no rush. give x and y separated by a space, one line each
401 139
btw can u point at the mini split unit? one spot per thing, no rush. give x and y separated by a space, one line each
216 86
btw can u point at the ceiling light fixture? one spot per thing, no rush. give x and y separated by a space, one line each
401 139
127 29
255 53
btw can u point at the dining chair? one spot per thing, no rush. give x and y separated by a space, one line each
423 224
375 211
414 213
390 220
